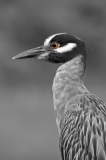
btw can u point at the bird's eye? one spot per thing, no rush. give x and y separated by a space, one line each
54 45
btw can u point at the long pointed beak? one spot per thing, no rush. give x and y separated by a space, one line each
35 52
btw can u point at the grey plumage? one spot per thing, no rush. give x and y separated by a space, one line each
80 116
83 132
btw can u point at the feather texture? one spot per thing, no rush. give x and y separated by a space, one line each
81 116
83 132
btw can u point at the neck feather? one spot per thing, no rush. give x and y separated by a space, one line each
74 68
68 84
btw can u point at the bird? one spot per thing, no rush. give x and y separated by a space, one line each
80 115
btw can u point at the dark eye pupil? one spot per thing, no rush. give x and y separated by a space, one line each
54 45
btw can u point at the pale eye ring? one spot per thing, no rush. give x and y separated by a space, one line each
54 45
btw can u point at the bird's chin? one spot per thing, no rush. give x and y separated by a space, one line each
43 56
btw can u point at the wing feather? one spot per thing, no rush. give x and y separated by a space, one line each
83 131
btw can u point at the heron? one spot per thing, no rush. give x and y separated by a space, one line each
80 115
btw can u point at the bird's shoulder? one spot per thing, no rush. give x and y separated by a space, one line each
83 129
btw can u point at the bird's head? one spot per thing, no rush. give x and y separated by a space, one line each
57 48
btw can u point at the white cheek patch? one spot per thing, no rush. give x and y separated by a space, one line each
46 42
66 48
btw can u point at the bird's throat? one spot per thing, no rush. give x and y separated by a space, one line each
68 83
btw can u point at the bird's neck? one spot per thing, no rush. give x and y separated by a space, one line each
68 83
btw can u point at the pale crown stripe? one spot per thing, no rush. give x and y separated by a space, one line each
46 42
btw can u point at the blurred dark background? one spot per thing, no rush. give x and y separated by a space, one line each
27 121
